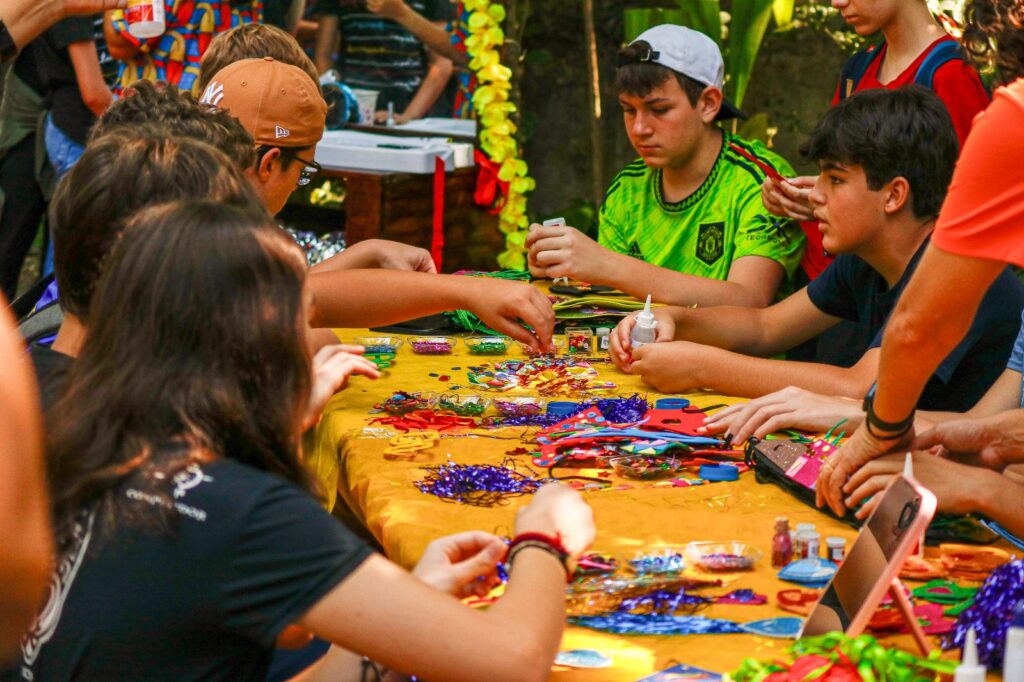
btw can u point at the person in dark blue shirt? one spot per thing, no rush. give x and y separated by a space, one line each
886 160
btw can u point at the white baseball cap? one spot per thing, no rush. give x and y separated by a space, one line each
690 53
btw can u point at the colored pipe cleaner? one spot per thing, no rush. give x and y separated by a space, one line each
481 485
837 658
654 624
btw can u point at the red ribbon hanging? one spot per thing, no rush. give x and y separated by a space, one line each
437 238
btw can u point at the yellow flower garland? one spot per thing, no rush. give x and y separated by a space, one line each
497 138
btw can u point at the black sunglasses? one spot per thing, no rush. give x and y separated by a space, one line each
310 168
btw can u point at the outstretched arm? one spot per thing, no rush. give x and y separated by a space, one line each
562 251
431 34
383 612
682 366
374 298
24 509
26 19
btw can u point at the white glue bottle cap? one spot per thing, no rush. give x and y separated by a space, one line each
1013 655
644 330
969 670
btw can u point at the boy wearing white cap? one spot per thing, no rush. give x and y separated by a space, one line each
684 222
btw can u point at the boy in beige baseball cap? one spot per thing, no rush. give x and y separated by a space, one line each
283 110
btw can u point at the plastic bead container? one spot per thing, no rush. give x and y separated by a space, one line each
432 345
519 407
379 345
722 557
557 342
660 560
646 468
462 405
487 345
401 402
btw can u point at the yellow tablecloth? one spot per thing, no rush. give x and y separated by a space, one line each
382 494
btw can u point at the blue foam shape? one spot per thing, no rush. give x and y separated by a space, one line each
582 658
787 627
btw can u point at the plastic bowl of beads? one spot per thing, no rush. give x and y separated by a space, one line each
722 557
432 345
380 350
647 468
519 407
487 345
462 405
402 402
658 560
379 345
559 344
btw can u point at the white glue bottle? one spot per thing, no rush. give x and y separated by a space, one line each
145 18
1013 655
644 331
969 670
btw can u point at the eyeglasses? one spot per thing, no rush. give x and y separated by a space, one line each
310 169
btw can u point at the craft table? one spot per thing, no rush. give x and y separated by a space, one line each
382 494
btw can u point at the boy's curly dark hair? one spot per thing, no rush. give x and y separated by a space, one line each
994 34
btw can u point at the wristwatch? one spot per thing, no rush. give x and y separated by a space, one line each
8 50
893 430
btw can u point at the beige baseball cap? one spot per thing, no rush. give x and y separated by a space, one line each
279 104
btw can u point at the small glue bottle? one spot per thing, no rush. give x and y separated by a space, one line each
1013 655
645 329
145 18
782 544
969 670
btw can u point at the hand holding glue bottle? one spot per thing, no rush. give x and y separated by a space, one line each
556 222
645 330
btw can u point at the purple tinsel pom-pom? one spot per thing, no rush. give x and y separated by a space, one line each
991 614
482 485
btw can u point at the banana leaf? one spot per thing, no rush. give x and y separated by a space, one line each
637 19
746 31
703 15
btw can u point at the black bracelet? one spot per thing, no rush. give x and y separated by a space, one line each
8 50
526 544
872 421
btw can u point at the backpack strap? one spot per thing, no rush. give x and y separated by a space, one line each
944 52
855 68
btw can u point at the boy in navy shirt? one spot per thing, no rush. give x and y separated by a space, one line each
886 159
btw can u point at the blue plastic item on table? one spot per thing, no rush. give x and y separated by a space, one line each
813 572
671 404
719 472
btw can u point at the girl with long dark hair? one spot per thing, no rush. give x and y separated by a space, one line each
188 538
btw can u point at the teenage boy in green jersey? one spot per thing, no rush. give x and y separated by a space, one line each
684 222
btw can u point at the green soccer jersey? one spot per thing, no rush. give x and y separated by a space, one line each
704 233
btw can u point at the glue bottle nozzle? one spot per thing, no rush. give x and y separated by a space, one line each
643 331
646 315
969 670
908 466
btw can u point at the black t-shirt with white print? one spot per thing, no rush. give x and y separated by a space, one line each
248 554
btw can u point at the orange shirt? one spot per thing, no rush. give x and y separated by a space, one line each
983 215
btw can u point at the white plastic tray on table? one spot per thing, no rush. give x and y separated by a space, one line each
347 149
458 127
